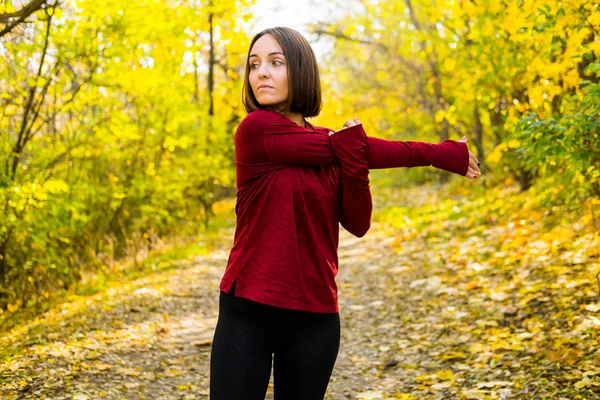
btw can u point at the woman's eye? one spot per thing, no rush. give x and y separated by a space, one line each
257 65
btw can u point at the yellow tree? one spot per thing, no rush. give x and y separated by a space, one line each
461 66
116 130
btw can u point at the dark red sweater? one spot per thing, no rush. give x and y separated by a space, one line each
295 185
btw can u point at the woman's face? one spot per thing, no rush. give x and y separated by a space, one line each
268 72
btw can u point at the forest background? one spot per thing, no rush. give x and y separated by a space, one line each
117 121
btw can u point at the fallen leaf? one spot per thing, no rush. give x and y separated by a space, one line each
445 375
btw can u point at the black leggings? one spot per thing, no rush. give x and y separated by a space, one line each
302 345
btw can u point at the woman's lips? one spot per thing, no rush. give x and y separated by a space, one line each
265 87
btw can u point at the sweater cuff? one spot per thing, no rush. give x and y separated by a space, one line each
350 145
453 157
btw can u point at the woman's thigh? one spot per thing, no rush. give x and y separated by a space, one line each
241 354
303 365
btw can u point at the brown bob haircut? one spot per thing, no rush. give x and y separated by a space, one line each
304 85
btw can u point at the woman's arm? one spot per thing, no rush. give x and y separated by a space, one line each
286 142
351 148
301 146
448 155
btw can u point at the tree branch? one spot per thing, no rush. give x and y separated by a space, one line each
338 35
25 131
20 16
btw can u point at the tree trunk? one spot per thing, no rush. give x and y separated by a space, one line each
211 67
478 128
497 121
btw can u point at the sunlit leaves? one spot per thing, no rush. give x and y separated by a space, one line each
120 141
420 70
509 283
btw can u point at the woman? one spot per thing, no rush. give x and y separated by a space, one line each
296 182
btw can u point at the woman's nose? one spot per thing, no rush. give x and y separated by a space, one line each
263 71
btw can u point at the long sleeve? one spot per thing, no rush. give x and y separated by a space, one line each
286 142
448 155
351 148
289 143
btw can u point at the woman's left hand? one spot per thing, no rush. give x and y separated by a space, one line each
348 124
473 171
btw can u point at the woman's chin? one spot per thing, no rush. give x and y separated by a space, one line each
274 105
267 102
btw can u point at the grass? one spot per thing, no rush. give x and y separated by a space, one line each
165 258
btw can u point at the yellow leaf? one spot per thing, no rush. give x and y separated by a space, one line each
579 177
409 366
571 79
10 110
453 356
449 63
102 367
445 375
595 47
423 378
586 382
56 186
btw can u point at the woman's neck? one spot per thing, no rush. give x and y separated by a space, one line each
297 118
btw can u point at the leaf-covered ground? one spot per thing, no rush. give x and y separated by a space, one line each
449 296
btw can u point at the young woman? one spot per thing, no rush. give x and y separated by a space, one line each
296 183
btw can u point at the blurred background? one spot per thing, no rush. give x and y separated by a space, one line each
117 117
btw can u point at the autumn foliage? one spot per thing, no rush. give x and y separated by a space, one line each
117 118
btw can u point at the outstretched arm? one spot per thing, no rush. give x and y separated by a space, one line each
286 142
301 146
448 155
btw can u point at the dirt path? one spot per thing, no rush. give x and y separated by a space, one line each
414 326
152 339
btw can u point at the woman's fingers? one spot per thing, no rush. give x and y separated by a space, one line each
351 122
473 170
474 162
472 173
